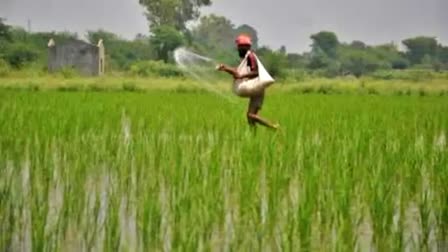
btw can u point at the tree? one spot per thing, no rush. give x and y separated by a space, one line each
356 44
18 34
360 62
4 31
122 53
141 37
296 60
443 54
20 54
24 47
427 62
40 39
214 36
164 40
326 41
389 53
282 50
275 62
175 13
419 47
318 59
5 38
94 36
214 32
249 30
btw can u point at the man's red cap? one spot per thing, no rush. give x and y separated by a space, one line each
243 40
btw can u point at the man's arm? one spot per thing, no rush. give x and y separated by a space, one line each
251 75
230 70
236 75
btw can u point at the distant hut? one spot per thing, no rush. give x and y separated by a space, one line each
86 58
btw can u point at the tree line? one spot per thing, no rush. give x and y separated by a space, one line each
214 35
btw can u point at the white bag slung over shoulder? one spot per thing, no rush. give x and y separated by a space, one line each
250 87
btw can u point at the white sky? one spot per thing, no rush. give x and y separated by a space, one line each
280 22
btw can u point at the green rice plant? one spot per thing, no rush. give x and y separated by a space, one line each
130 87
70 88
181 171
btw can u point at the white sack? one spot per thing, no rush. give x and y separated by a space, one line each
250 87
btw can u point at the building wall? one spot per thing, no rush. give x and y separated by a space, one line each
84 57
101 58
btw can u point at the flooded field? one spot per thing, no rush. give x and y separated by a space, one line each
166 171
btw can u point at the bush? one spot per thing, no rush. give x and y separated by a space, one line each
332 70
68 72
418 75
70 88
400 63
18 55
130 87
155 69
360 63
5 69
275 63
165 40
384 75
422 92
407 75
372 91
97 88
295 75
33 87
326 89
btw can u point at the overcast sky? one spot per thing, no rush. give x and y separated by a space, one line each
279 22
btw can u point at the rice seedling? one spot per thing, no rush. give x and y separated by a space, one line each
181 171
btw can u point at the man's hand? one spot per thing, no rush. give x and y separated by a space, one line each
229 70
221 67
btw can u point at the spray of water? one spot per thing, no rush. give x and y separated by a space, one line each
183 55
202 69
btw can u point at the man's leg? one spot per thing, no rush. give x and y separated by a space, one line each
257 119
255 104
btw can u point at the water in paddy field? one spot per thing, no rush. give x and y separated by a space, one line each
202 69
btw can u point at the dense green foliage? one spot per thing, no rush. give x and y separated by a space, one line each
121 53
4 31
215 33
327 42
19 54
155 69
333 58
421 47
21 48
214 36
161 170
173 13
165 39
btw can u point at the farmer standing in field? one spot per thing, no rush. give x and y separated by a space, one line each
244 44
